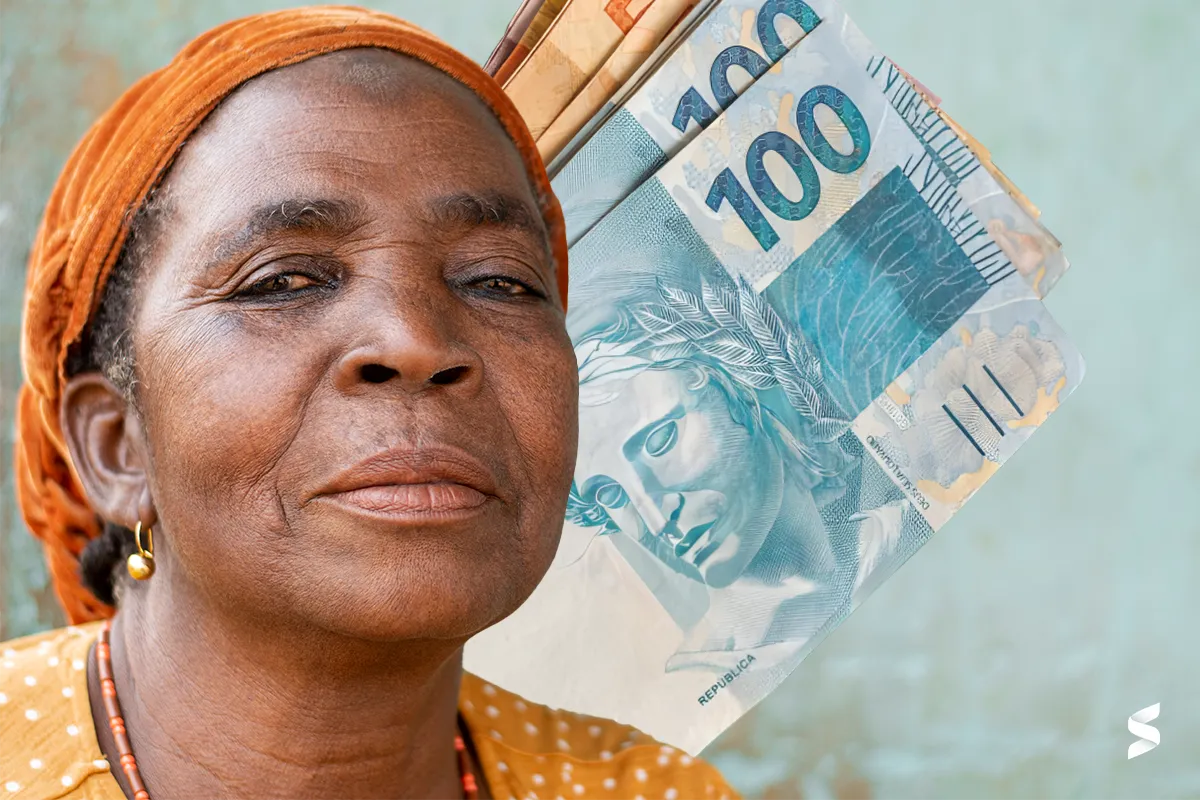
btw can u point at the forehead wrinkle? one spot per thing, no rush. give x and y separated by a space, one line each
431 100
370 76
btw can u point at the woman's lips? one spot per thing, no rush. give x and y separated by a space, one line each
432 484
413 499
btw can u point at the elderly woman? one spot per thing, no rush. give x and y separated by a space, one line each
301 408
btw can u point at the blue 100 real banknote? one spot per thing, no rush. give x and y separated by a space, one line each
800 352
736 43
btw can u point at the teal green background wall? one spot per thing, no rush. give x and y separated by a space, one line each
1005 658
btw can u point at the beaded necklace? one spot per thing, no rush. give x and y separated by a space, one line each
116 723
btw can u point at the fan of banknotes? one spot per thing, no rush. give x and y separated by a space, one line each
806 308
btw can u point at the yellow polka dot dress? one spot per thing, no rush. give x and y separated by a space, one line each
48 746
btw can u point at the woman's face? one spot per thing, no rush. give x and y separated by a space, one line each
355 266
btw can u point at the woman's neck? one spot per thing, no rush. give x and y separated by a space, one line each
239 708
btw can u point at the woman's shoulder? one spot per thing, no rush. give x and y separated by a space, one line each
532 751
45 720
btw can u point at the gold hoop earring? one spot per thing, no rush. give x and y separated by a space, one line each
141 563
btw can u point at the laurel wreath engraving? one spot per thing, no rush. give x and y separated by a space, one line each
738 329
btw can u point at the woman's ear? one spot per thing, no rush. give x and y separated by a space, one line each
104 437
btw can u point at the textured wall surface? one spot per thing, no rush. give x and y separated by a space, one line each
1004 659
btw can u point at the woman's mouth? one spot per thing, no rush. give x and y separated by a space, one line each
412 499
420 486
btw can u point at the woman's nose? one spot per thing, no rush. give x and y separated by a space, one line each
409 344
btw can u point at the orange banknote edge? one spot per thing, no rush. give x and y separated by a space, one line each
512 34
639 43
578 43
530 38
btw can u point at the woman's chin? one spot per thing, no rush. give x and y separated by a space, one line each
399 616
448 598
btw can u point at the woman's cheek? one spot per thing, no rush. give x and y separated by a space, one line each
535 381
561 392
221 420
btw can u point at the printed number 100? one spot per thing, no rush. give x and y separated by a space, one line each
728 187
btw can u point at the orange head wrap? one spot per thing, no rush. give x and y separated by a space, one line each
120 159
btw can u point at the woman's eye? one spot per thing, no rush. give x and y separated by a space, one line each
662 439
282 283
508 286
